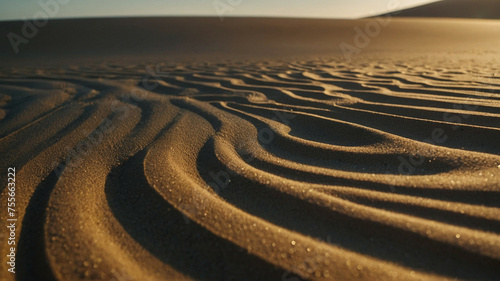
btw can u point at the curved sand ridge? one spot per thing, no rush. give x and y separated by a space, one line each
255 171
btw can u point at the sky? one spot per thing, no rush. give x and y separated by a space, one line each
344 9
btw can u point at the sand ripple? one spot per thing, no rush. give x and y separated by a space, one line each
255 171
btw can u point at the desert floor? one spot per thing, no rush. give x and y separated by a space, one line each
292 165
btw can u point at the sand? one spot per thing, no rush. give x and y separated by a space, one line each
480 9
269 156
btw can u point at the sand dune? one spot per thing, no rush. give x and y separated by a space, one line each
477 9
137 40
383 168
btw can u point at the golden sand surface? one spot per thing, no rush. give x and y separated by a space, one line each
384 167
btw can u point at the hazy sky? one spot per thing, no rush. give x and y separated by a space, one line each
18 9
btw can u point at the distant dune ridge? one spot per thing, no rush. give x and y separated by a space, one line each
253 149
476 9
